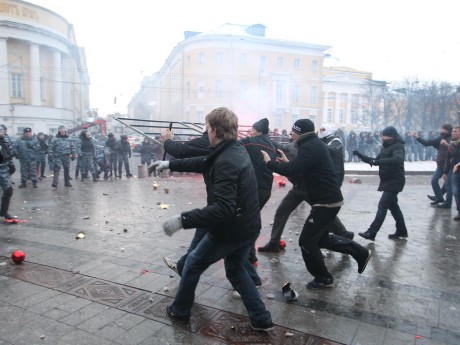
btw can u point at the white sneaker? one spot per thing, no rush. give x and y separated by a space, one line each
171 264
236 294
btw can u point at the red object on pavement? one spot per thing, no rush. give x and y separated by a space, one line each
18 256
281 183
282 244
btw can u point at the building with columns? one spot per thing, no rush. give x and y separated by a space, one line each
44 81
352 99
239 67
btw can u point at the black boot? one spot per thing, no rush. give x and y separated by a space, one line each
35 184
128 172
119 170
22 185
67 178
94 178
369 234
6 204
398 234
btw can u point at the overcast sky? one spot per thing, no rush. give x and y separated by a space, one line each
394 39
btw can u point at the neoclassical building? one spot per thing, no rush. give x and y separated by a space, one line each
239 67
44 80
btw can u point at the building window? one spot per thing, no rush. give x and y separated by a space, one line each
200 89
279 91
243 88
200 116
16 85
187 89
341 116
297 64
295 117
278 117
262 62
219 57
279 62
201 58
314 66
243 59
314 94
354 118
295 93
313 116
188 60
218 88
329 115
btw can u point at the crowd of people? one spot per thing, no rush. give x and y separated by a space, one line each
238 175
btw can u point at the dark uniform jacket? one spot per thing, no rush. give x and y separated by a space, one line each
335 148
232 213
391 165
318 173
254 145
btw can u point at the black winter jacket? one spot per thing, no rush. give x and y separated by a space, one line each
335 148
441 153
318 173
193 148
391 165
254 145
232 213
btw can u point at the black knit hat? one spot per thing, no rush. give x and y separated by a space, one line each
303 126
390 131
261 126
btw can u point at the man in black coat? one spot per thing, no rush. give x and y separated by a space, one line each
392 179
314 164
231 218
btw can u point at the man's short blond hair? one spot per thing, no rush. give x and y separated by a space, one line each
225 122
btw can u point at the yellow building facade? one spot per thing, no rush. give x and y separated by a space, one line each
44 81
238 67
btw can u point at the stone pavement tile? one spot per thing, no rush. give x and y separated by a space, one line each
79 337
140 332
56 314
452 338
83 314
398 338
368 334
49 327
99 321
342 329
2 342
428 341
128 321
125 275
20 291
11 316
51 303
28 302
177 336
449 316
74 304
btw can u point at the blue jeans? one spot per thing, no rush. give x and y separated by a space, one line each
437 189
199 234
235 256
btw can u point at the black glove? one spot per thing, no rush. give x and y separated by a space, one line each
12 169
364 158
374 162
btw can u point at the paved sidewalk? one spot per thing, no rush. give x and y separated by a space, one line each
111 287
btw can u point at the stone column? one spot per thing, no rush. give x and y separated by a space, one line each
57 86
35 89
348 113
4 75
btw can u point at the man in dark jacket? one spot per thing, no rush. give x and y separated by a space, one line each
193 148
314 163
440 143
453 158
231 218
259 140
392 180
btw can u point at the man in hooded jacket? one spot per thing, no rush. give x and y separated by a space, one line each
392 179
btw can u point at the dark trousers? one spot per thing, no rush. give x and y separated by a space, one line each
315 235
388 201
289 203
264 195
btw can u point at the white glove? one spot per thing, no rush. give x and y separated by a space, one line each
158 165
172 225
